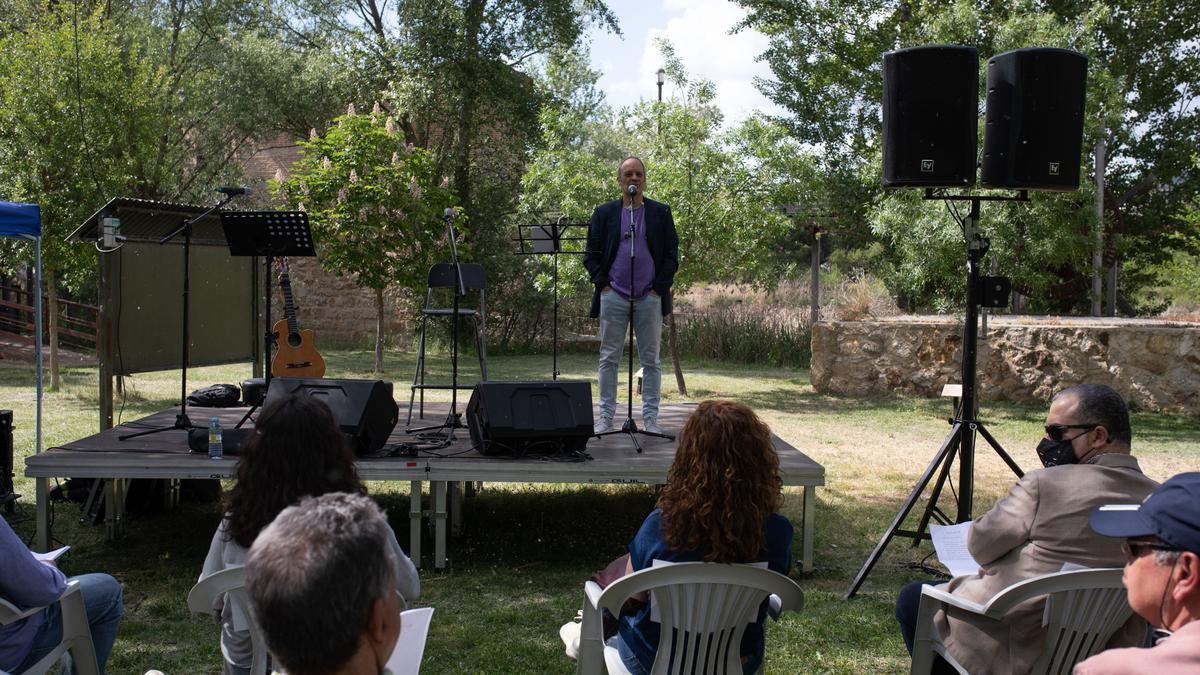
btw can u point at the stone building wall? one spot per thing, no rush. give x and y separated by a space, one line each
336 309
1155 365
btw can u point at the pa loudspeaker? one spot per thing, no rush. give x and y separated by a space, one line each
363 409
520 417
1034 131
930 116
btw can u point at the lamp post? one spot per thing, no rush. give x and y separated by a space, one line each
662 79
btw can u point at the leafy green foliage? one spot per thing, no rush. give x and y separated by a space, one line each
727 215
67 157
375 203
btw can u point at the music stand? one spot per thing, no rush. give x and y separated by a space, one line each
268 234
182 422
547 239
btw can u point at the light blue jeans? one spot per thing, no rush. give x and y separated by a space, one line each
647 329
102 598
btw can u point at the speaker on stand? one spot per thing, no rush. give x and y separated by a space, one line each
1033 137
930 116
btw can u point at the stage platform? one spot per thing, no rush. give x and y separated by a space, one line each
614 460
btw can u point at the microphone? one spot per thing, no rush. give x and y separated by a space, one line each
632 190
448 213
234 191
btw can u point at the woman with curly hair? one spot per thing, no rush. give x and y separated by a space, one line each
719 505
297 451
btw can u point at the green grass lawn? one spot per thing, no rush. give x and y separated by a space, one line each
517 572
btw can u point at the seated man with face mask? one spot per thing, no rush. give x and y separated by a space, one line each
1038 527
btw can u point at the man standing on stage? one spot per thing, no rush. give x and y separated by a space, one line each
646 229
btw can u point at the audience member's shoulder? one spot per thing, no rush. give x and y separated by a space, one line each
777 522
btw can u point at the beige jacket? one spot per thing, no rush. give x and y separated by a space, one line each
1039 526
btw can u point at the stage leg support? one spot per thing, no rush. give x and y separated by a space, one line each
457 489
42 494
438 490
806 534
414 522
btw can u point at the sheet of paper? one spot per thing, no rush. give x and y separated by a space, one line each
950 542
51 555
410 647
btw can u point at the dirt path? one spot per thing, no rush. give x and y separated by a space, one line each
20 348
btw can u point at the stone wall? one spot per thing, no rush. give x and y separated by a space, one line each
1155 365
335 308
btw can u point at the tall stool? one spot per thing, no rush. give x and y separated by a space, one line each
442 278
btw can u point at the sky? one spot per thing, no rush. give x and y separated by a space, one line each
699 30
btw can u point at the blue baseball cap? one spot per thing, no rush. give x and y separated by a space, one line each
1171 513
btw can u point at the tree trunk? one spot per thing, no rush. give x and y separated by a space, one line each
380 327
675 355
52 328
468 98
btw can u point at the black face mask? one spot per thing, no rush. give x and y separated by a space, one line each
1056 453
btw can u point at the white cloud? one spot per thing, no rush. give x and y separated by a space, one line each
699 31
700 35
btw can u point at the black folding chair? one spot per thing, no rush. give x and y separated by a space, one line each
442 279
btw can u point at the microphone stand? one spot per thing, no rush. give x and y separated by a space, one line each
181 420
630 427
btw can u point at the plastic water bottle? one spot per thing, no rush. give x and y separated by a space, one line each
216 449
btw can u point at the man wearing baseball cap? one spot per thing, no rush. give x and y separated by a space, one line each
1162 577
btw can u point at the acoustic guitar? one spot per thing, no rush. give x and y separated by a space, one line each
295 355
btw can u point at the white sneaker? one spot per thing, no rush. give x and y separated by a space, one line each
651 425
570 636
603 425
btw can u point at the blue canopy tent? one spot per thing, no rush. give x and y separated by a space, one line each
24 221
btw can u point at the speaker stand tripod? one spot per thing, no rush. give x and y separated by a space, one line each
961 440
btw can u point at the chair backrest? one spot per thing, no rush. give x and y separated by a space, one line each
232 582
704 609
1084 609
76 635
441 275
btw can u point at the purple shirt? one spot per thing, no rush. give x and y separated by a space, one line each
24 582
643 273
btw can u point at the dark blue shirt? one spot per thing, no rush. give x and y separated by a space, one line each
640 634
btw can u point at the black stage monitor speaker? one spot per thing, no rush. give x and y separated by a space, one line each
930 116
520 417
363 409
1034 131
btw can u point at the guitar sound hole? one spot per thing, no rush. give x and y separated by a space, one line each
294 339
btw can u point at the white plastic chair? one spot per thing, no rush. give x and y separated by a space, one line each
231 581
698 604
1084 609
76 639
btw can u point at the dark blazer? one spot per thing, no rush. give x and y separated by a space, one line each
604 238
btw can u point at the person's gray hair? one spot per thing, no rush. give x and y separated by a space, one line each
312 577
1166 557
1101 404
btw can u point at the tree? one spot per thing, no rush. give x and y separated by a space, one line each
143 99
375 205
61 153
